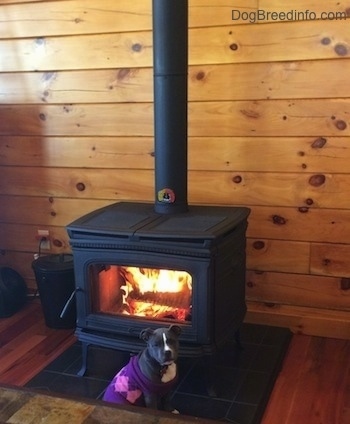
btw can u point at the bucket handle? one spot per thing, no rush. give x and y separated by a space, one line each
69 301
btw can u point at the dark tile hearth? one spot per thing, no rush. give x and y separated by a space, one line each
236 389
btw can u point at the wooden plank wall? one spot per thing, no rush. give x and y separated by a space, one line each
269 128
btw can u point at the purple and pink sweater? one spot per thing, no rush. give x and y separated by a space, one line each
128 386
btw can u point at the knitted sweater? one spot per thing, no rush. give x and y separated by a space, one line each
128 386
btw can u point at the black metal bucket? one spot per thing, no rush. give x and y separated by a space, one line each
55 280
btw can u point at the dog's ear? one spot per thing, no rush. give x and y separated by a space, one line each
146 334
175 329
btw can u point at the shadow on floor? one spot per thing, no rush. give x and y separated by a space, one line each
241 380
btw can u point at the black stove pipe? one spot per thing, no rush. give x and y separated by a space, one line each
170 63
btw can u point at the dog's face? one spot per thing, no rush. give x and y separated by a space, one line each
163 343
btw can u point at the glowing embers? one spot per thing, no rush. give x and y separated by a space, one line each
142 292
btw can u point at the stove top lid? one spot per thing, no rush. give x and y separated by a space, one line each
140 219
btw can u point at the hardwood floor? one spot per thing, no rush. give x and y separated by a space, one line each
313 386
27 345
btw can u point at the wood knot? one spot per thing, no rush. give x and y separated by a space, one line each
325 41
345 284
341 49
309 201
47 76
80 186
40 41
317 180
123 73
237 179
303 209
234 46
53 213
200 75
250 113
250 284
258 245
137 47
319 143
340 124
326 262
67 108
42 116
57 243
278 220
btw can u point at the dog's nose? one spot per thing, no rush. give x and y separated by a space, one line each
168 354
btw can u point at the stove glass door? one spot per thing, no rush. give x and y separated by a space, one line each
152 293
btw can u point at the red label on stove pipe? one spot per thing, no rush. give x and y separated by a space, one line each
166 195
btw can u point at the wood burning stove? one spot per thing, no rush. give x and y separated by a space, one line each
135 268
140 265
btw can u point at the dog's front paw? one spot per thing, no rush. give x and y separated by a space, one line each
175 411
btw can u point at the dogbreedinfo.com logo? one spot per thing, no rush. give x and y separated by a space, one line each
262 15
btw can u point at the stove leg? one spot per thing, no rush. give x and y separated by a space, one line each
209 376
84 352
238 339
210 363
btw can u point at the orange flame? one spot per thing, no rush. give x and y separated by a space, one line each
160 280
157 293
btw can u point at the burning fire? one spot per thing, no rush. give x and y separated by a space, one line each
157 293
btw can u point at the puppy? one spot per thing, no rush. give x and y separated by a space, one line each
149 377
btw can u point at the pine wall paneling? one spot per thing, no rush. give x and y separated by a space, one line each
269 127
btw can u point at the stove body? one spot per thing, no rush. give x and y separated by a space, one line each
207 243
